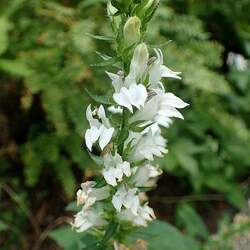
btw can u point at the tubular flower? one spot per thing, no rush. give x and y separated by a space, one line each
157 70
160 109
126 197
100 128
88 191
88 218
145 214
115 168
147 145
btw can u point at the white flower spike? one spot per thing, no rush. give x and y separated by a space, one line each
136 135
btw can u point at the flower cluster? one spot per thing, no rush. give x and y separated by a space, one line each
144 107
125 131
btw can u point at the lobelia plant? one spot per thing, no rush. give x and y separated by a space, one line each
125 130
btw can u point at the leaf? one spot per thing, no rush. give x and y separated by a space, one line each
3 226
191 221
72 206
98 37
138 128
68 239
97 159
110 62
99 99
163 236
103 56
187 162
4 39
65 176
111 230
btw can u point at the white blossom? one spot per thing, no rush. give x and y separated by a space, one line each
144 214
100 129
143 175
129 90
160 109
115 169
138 65
88 191
112 109
135 95
238 60
88 218
126 197
158 70
147 145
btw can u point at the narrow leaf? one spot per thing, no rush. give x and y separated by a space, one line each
98 37
99 99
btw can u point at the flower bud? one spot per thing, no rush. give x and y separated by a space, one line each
146 11
131 30
140 59
151 4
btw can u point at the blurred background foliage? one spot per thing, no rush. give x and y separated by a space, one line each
46 53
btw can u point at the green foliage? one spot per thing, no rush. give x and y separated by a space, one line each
188 218
161 235
70 240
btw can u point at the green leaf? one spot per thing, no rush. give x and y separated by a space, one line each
3 226
191 221
98 37
99 99
65 176
14 67
4 39
68 239
111 230
138 129
163 236
110 62
97 159
72 206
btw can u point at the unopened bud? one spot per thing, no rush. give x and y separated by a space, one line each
147 9
111 10
139 61
151 4
131 30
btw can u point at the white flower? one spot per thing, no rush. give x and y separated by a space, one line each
117 80
126 197
135 95
238 60
115 168
158 70
129 91
159 109
138 65
88 218
114 110
147 145
88 191
100 129
143 175
144 215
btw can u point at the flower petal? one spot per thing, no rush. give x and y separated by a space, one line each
91 136
105 136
